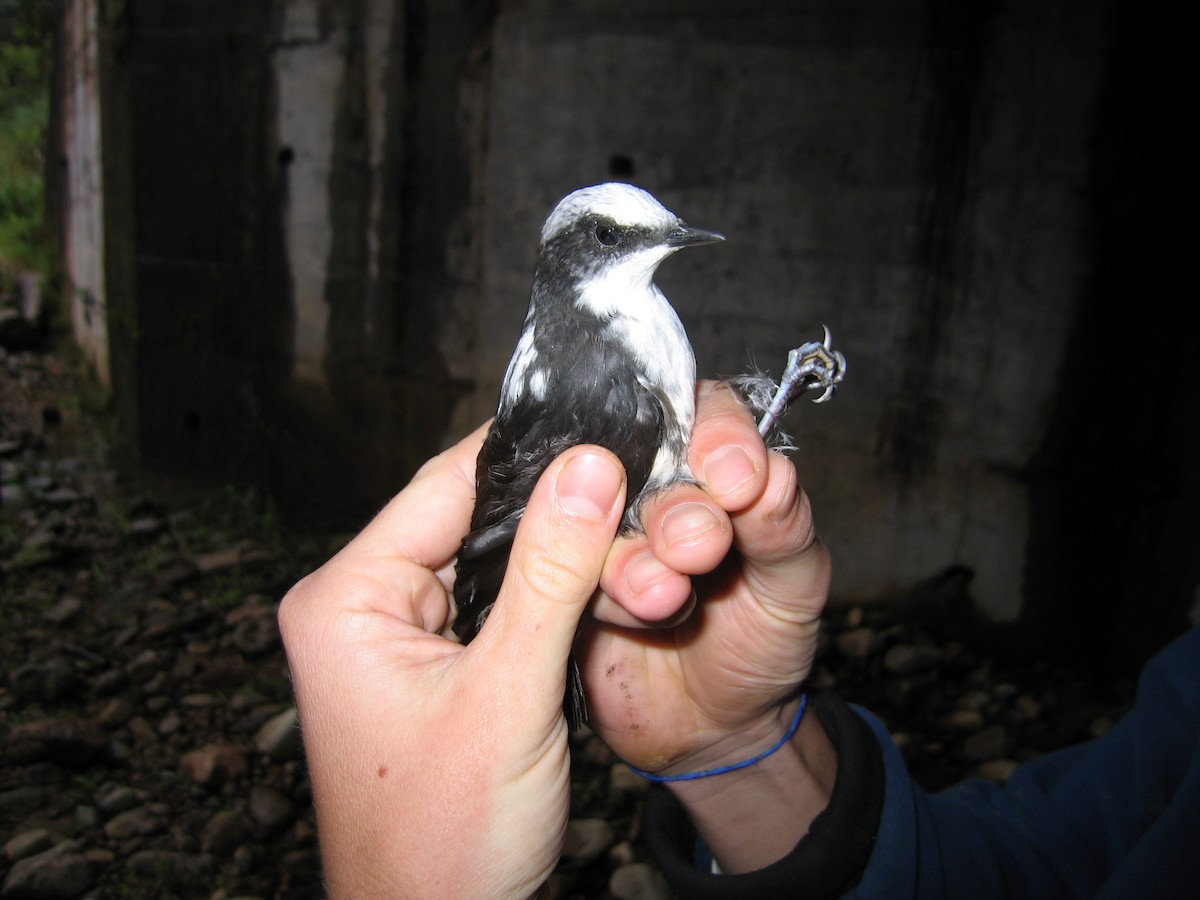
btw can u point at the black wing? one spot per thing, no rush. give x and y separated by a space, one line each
593 396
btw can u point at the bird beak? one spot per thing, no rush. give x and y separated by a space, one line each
686 236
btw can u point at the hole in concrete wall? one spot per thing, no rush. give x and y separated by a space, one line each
620 166
286 155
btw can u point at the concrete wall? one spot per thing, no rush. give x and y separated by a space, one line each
82 181
334 210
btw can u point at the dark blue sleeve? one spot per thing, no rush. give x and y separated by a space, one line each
1115 817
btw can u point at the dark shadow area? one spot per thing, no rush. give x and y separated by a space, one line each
1115 485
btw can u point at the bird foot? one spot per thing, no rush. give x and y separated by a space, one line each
809 367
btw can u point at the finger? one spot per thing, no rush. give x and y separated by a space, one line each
687 529
637 587
643 615
556 559
686 533
785 563
726 452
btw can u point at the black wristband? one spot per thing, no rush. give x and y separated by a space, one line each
827 862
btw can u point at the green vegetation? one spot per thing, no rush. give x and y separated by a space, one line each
26 60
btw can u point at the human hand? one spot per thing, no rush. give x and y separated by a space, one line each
440 770
674 689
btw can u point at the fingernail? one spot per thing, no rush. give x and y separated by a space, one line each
727 469
687 522
589 485
644 570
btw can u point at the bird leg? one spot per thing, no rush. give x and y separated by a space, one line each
809 366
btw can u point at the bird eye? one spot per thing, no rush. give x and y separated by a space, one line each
607 235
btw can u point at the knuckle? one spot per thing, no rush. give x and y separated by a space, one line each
556 575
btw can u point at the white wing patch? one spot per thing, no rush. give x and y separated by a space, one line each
515 378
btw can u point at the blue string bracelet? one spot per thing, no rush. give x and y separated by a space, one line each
732 767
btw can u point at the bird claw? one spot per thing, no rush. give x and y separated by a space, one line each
809 367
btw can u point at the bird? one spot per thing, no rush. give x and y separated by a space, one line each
602 358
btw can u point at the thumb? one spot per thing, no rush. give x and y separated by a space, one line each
556 559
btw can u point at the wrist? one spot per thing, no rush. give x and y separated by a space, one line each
753 815
740 759
828 859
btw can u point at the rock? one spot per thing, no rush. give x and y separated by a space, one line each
279 737
586 841
64 611
974 699
857 643
109 682
968 720
115 713
1005 691
621 853
63 497
222 674
270 808
906 659
114 798
172 868
622 778
141 732
13 495
49 682
169 724
988 744
638 881
1028 707
303 833
60 872
144 666
19 802
67 742
215 764
145 527
255 636
560 886
997 770
240 554
125 602
100 857
225 832
199 701
27 843
247 857
598 753
150 818
157 623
